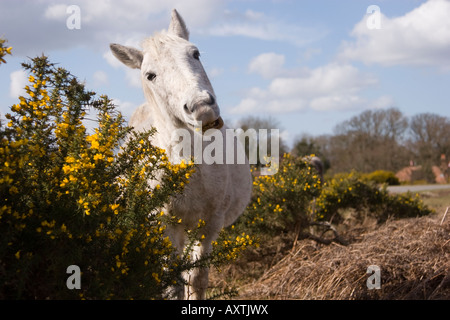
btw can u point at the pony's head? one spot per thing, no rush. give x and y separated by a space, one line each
173 77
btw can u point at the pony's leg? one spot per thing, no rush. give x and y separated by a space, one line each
198 283
199 276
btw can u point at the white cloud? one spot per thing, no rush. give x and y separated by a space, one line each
323 81
311 52
260 26
18 82
383 102
56 12
215 72
133 77
42 24
268 65
330 87
100 78
125 107
337 102
132 12
420 37
112 60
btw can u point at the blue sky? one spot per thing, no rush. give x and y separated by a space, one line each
309 64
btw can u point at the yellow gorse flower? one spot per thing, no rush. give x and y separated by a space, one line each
4 50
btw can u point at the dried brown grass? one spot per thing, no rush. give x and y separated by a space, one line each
413 255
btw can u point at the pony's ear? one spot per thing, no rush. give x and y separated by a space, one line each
129 56
177 26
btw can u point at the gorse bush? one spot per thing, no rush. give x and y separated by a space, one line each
281 202
379 176
367 198
73 196
382 176
294 199
346 191
4 50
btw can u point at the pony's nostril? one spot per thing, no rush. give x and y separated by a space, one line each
212 100
203 100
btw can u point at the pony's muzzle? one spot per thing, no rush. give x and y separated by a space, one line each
205 98
204 109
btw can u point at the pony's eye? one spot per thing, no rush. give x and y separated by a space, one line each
151 76
196 55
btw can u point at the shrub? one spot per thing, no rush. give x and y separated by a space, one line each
366 197
294 199
281 202
382 176
74 197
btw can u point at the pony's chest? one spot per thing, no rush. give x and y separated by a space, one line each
203 195
209 183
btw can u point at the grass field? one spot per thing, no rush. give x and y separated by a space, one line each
439 200
413 255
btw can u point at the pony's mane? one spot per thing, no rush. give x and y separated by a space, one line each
159 38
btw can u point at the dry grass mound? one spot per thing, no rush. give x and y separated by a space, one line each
412 254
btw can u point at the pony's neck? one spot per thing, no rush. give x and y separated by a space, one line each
164 125
155 106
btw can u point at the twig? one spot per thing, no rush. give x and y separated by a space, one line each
337 238
317 239
444 215
445 281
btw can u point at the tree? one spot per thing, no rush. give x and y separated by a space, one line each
370 141
253 122
377 124
430 138
307 145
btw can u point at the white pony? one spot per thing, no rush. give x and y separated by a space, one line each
179 95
